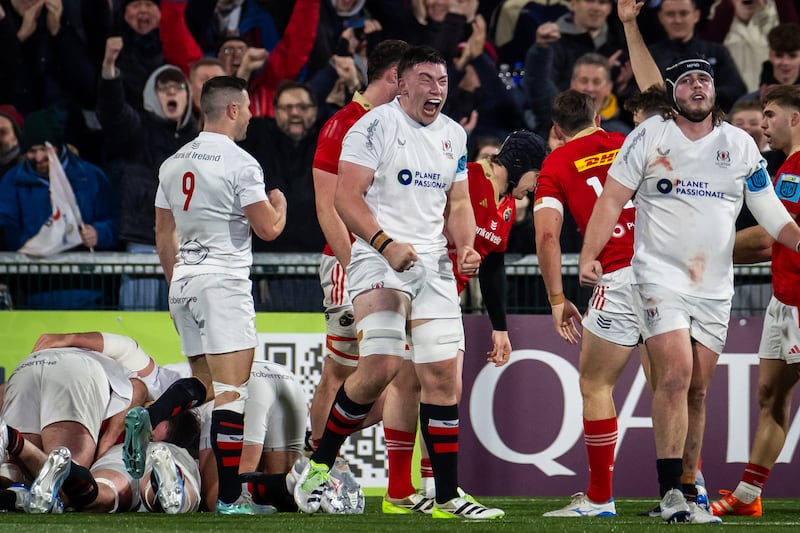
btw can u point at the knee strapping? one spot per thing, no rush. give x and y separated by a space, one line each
108 483
382 332
437 340
237 405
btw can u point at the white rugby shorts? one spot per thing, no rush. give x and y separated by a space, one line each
660 310
611 313
780 336
213 314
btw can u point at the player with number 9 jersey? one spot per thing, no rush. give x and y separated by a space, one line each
206 184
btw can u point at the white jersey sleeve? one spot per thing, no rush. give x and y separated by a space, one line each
249 184
363 142
628 167
763 202
119 382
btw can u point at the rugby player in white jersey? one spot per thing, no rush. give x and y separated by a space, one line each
690 172
211 195
403 165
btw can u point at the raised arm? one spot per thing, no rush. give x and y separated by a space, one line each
645 70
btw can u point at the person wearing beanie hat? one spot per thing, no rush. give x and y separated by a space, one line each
691 173
143 16
25 204
10 125
44 125
138 138
10 112
571 179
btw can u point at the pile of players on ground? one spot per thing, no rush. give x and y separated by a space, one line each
74 434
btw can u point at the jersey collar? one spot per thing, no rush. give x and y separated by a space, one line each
360 100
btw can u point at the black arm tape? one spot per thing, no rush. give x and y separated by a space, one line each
492 277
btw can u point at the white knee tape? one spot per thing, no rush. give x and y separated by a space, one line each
125 351
110 484
237 405
383 333
437 340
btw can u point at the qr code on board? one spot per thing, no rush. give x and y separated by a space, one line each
303 354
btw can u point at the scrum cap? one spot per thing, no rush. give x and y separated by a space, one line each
521 152
682 68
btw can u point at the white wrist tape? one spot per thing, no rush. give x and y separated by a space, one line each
125 351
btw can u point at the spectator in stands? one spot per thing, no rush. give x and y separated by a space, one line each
679 19
586 28
231 54
264 69
200 72
45 62
335 16
516 23
154 34
483 103
25 193
441 24
783 64
142 53
747 115
137 142
284 147
591 74
742 26
10 126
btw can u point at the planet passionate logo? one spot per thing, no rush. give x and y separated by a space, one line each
404 177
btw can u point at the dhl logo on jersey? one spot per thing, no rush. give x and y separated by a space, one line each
596 160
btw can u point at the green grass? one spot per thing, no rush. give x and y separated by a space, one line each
522 515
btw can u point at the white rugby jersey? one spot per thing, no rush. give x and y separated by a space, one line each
117 375
688 195
205 184
414 165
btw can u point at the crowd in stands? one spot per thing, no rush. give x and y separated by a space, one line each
114 85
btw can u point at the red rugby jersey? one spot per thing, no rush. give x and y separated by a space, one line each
574 174
329 144
493 219
785 262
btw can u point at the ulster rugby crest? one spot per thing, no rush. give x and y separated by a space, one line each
447 149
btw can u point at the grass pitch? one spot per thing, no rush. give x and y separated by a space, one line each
522 515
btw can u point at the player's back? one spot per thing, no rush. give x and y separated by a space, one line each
574 175
205 185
